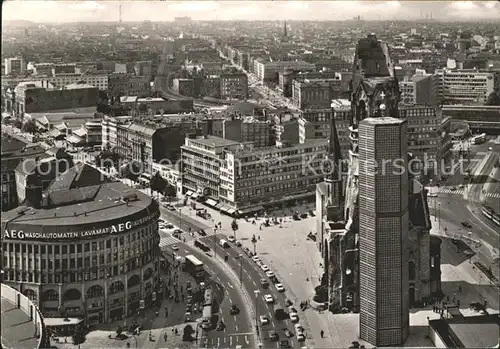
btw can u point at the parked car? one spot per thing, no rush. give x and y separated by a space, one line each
285 344
280 288
270 274
294 317
273 335
202 232
231 238
263 320
177 231
288 333
220 326
255 258
264 267
237 243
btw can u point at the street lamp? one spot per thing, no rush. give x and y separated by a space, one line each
439 216
180 218
215 243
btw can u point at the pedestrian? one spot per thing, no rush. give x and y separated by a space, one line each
165 336
322 333
259 237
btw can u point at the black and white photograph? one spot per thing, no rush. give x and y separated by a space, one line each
250 174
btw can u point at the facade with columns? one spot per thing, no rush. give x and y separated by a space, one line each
96 259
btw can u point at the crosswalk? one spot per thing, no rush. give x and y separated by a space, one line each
168 241
462 191
449 191
493 195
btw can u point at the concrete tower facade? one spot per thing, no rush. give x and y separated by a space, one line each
383 231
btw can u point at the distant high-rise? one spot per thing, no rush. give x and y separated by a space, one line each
383 231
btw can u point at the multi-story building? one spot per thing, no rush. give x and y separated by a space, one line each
89 249
268 71
184 87
156 105
247 129
201 162
128 85
254 179
14 152
424 138
234 85
418 89
383 232
14 65
31 97
155 139
61 80
143 68
465 86
109 130
315 93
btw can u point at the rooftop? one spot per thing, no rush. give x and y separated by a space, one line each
385 120
213 141
85 207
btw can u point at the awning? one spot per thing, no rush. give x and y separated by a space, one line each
189 193
231 211
224 208
211 202
251 209
219 205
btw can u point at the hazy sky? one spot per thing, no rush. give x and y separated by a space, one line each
73 11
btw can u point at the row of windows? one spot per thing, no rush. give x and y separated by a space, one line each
78 274
281 187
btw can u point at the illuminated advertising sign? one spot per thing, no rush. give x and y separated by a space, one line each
14 234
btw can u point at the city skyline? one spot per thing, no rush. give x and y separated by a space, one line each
54 11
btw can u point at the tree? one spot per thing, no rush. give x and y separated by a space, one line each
234 226
169 191
494 98
29 126
17 123
187 333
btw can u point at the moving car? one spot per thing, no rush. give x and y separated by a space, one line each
263 320
269 298
202 232
231 238
264 283
234 309
466 225
220 326
169 226
177 231
461 186
280 288
175 247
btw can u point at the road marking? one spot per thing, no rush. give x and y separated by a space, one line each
218 341
230 301
235 325
231 286
246 340
241 334
227 292
230 341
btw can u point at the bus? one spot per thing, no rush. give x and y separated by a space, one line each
206 320
194 266
479 139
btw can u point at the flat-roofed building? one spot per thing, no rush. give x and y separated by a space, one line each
268 71
465 86
253 179
315 93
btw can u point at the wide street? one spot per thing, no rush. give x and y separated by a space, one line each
455 205
238 328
